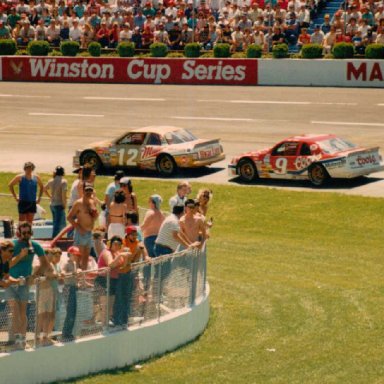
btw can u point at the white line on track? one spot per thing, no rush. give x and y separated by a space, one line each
271 102
62 114
348 123
210 118
122 98
26 96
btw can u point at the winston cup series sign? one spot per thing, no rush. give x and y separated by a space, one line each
133 70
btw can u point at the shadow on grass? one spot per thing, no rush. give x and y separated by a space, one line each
190 173
333 184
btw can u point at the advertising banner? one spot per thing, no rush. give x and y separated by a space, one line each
322 72
130 70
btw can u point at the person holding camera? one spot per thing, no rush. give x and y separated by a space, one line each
17 296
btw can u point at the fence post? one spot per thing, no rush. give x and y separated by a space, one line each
193 255
159 285
107 304
36 311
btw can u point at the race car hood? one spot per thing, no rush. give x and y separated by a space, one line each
98 145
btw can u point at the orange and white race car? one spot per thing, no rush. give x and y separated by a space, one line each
314 157
161 148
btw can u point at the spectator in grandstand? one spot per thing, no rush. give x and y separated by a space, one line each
64 31
6 253
56 190
174 37
102 35
351 27
130 196
292 30
34 18
17 296
82 216
147 38
27 33
40 33
5 33
75 32
151 224
380 35
304 38
111 257
192 226
367 15
87 36
117 215
258 36
326 26
28 198
182 190
125 33
46 299
379 15
244 22
338 20
13 18
370 37
303 16
317 36
137 38
114 35
277 36
139 19
358 43
53 34
161 35
237 40
329 40
169 236
149 22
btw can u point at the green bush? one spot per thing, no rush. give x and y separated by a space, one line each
126 49
192 50
374 51
7 47
254 51
222 50
38 48
312 51
55 52
280 51
158 50
69 48
94 49
343 51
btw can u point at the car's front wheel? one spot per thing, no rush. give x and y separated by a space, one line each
91 159
166 165
318 175
247 171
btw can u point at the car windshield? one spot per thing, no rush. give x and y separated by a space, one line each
334 145
179 136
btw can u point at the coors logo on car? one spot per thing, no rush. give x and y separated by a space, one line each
135 70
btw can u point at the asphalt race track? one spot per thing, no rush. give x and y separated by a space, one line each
46 122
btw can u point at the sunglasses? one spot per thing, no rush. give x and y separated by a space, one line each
26 232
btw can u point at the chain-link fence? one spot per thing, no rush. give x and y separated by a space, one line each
91 302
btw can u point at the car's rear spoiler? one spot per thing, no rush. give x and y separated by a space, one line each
204 143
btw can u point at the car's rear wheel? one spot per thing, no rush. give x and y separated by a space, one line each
91 159
247 171
166 165
318 175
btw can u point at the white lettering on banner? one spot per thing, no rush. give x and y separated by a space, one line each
213 72
157 72
362 73
50 68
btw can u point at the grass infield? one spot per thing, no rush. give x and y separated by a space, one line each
296 290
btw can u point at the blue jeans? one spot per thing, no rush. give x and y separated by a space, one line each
58 217
70 316
123 298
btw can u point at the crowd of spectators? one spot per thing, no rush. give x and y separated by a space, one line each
113 239
179 22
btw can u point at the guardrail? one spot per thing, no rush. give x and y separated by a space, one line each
91 303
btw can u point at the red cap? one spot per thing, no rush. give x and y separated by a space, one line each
130 229
73 250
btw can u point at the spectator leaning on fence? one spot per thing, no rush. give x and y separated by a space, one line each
6 253
21 268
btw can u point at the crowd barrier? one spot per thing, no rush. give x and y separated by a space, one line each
84 304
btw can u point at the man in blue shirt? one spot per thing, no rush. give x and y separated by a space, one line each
17 296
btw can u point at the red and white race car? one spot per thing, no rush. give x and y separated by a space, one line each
314 157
